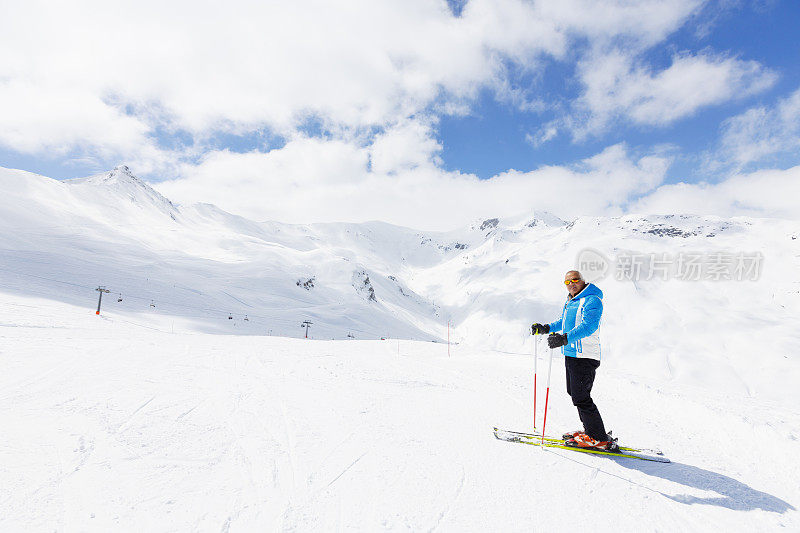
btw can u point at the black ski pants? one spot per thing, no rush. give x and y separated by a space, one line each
580 378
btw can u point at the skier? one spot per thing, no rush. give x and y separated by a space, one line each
579 341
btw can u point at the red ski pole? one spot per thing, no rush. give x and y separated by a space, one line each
547 395
535 358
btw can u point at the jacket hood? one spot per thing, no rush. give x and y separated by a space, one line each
589 290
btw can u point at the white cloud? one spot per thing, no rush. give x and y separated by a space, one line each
761 132
764 193
80 126
242 66
546 133
406 146
100 79
356 63
618 88
645 22
37 118
317 180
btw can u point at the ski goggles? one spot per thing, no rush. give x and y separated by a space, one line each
568 281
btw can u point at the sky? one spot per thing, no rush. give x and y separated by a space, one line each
425 113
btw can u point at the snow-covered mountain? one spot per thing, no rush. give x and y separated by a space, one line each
202 265
147 418
199 262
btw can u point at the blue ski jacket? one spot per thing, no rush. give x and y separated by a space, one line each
580 320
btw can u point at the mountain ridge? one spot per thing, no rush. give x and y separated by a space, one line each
371 280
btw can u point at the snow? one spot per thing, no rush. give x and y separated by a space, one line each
111 425
174 417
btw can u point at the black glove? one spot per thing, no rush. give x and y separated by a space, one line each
540 329
556 340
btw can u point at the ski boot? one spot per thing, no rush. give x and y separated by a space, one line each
582 440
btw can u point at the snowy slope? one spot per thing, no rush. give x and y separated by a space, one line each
115 426
197 262
129 417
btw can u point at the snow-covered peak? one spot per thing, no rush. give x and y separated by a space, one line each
544 218
118 175
490 226
121 182
663 226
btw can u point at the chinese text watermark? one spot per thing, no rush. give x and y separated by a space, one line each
683 266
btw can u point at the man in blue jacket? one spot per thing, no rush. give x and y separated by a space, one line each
577 333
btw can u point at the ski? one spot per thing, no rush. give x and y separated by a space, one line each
550 442
550 438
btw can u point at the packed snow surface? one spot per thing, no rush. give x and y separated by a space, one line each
192 402
110 425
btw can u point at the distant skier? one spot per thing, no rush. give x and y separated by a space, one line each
580 344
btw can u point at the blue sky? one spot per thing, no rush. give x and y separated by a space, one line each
492 138
377 105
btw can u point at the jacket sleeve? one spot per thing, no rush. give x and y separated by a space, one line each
555 326
592 311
